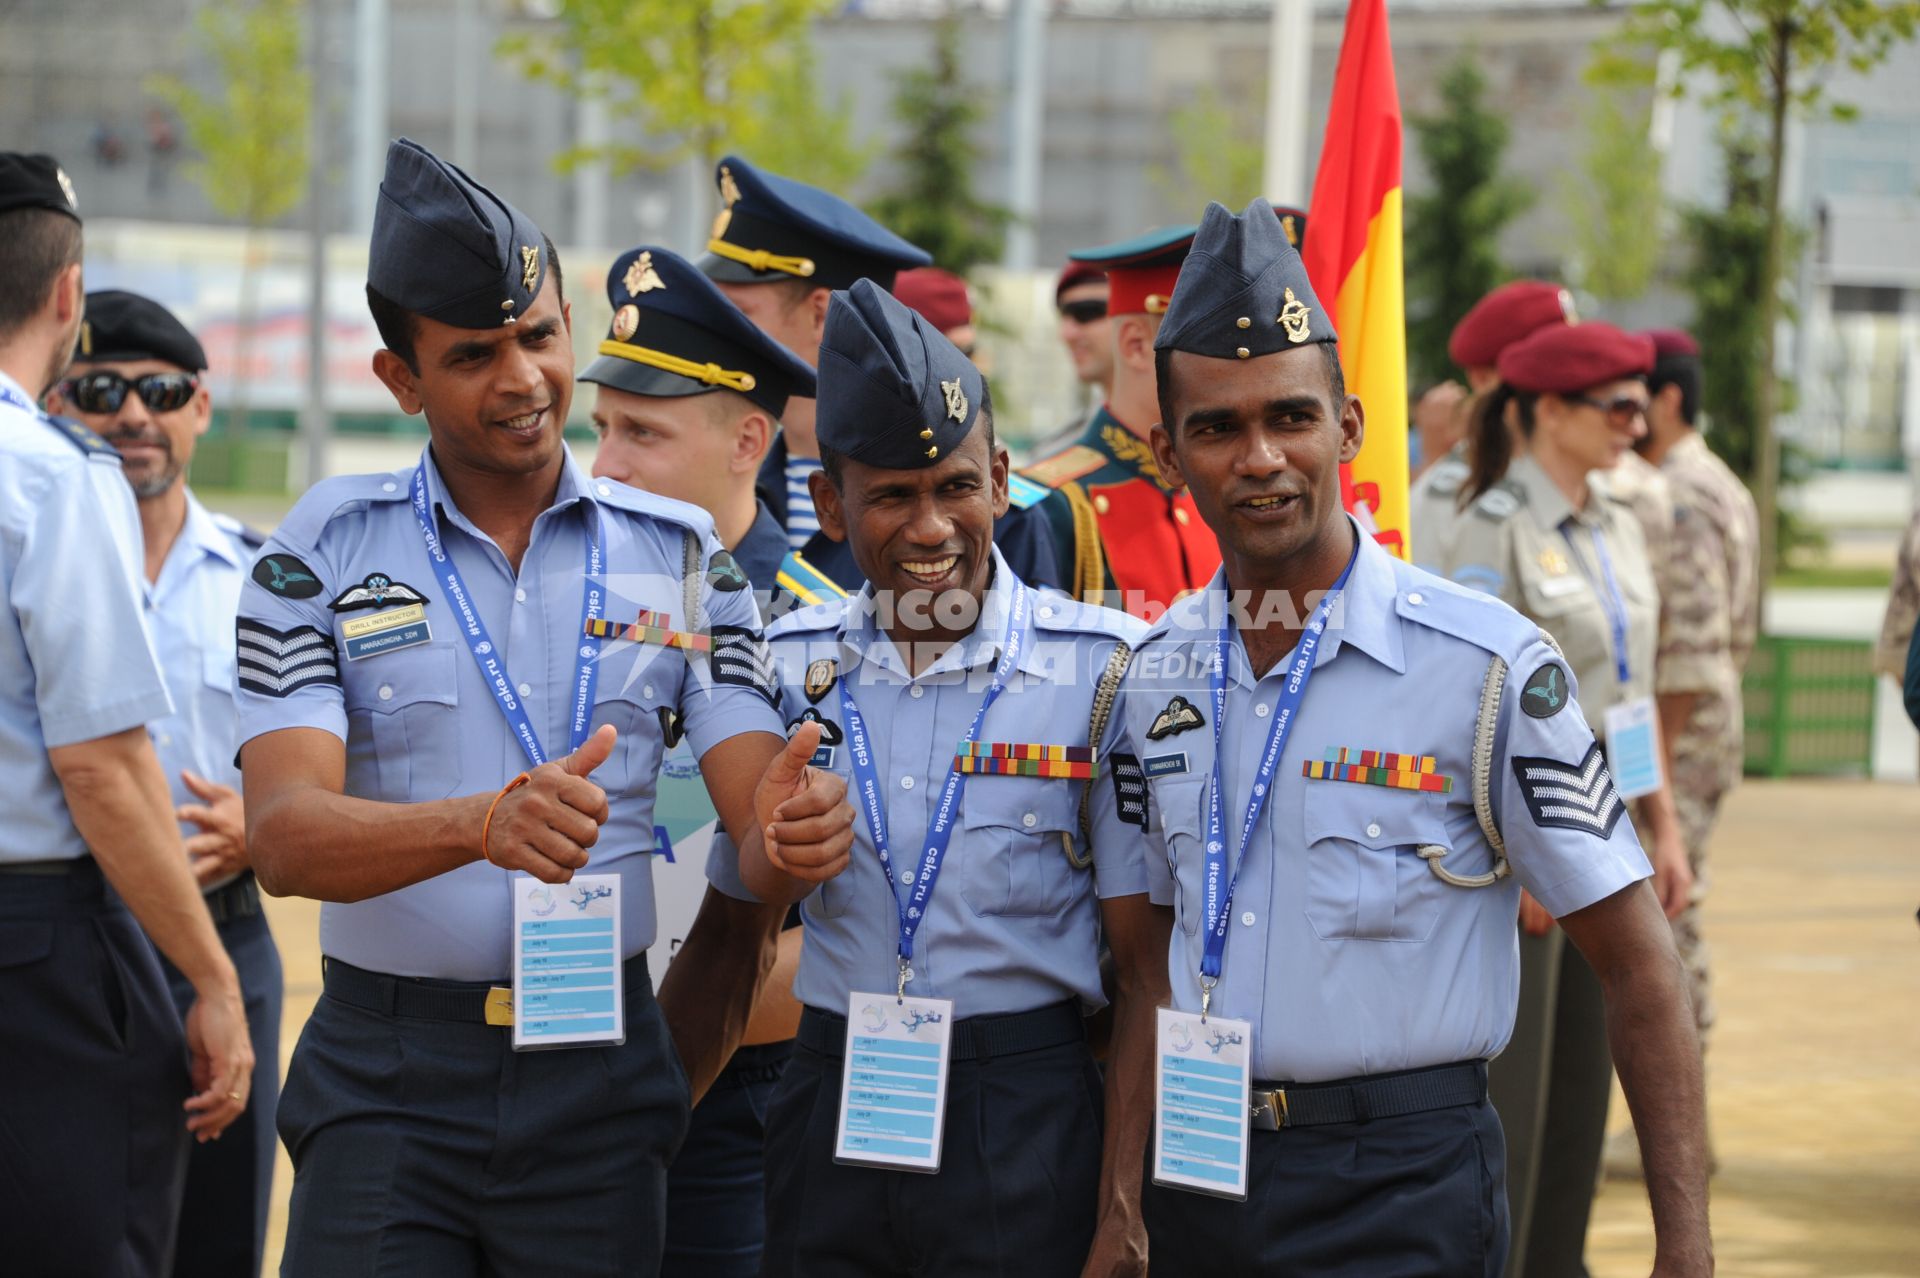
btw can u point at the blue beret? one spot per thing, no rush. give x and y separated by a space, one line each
675 334
35 182
894 392
1243 291
449 249
774 228
127 326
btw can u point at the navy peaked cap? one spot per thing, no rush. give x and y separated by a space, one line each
894 392
127 326
774 228
674 333
35 182
448 248
1243 290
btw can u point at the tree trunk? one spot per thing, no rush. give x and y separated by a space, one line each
1766 451
245 323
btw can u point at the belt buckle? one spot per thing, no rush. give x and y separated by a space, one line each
500 1005
1269 1110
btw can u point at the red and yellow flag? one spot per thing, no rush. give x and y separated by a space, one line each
1353 257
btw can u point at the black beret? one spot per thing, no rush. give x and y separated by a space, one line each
35 182
127 326
774 228
894 392
674 333
1243 291
449 249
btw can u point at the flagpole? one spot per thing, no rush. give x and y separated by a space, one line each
1289 75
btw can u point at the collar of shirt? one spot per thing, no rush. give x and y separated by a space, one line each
1366 617
861 639
762 551
1689 447
1544 498
7 382
572 491
199 538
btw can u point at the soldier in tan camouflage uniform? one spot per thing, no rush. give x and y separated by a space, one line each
1903 607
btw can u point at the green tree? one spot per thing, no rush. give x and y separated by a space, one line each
932 201
693 78
1217 156
250 137
1766 59
1453 229
1613 201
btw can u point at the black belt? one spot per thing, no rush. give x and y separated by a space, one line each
429 999
974 1038
239 899
44 869
1356 1100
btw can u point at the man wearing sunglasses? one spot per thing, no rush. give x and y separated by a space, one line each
99 1097
136 383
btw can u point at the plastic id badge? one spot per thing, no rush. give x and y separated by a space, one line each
567 989
1633 747
1202 1089
893 1091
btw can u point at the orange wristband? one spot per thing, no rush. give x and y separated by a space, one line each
486 827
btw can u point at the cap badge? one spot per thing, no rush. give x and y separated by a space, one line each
641 277
529 267
626 321
956 400
66 186
1567 308
1295 317
729 189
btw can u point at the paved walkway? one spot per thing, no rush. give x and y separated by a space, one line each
1815 1071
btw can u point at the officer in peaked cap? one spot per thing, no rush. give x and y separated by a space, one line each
1142 533
1010 931
96 1066
136 380
1367 765
689 396
481 657
778 250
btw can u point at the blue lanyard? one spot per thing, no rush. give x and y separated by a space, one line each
8 395
1611 602
1220 887
493 668
913 910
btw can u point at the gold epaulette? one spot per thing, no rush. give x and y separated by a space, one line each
1065 466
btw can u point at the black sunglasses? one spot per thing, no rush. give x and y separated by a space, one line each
1622 409
105 392
1084 312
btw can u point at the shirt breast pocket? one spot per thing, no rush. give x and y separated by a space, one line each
412 702
1365 878
633 705
1176 805
1014 844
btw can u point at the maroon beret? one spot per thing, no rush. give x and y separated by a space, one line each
1503 317
1673 343
940 297
1565 359
1077 273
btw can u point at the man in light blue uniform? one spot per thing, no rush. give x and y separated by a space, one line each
455 673
136 382
947 645
94 1142
1348 809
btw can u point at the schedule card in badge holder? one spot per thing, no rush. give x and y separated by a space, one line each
1633 747
1202 1089
566 963
893 1091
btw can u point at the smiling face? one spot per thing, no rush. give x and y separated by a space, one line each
154 447
920 533
1259 443
495 399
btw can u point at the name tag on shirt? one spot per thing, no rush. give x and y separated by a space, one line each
567 979
1633 747
1555 587
893 1090
1202 1094
388 631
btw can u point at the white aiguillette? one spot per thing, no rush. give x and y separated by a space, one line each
567 978
893 1089
1202 1092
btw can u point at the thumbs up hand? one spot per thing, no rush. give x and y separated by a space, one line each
804 816
546 825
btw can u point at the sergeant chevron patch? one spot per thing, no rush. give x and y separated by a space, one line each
278 663
740 658
1570 796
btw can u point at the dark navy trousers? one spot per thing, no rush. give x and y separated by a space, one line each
429 1148
717 1186
1417 1196
223 1217
1015 1196
93 1071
